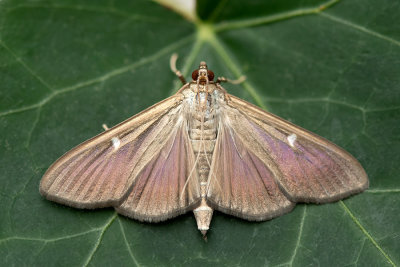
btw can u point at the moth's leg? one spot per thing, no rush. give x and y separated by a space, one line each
172 64
105 127
226 80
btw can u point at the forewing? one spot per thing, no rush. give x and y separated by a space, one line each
100 172
240 183
162 189
307 167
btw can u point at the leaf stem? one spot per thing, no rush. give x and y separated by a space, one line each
206 33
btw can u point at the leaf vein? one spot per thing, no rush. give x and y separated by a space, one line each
382 191
48 240
317 99
127 244
274 18
34 124
359 253
104 77
365 232
298 236
221 51
97 245
360 28
25 66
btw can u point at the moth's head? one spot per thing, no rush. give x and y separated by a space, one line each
203 75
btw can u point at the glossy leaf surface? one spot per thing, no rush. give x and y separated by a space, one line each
67 67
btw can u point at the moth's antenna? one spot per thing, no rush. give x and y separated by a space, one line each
172 64
226 80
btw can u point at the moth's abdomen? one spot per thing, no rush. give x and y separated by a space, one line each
209 129
203 135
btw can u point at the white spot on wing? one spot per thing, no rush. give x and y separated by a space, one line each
116 142
291 139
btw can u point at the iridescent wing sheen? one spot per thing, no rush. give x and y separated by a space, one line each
102 171
289 160
160 191
241 184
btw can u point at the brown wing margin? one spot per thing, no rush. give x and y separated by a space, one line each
311 169
96 174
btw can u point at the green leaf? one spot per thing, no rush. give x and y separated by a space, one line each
67 67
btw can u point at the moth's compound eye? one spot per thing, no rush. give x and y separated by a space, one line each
210 75
195 75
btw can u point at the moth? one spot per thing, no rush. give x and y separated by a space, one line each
200 150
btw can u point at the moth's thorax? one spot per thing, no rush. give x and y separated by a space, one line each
196 88
201 103
202 97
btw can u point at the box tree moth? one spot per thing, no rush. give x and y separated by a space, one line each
200 150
